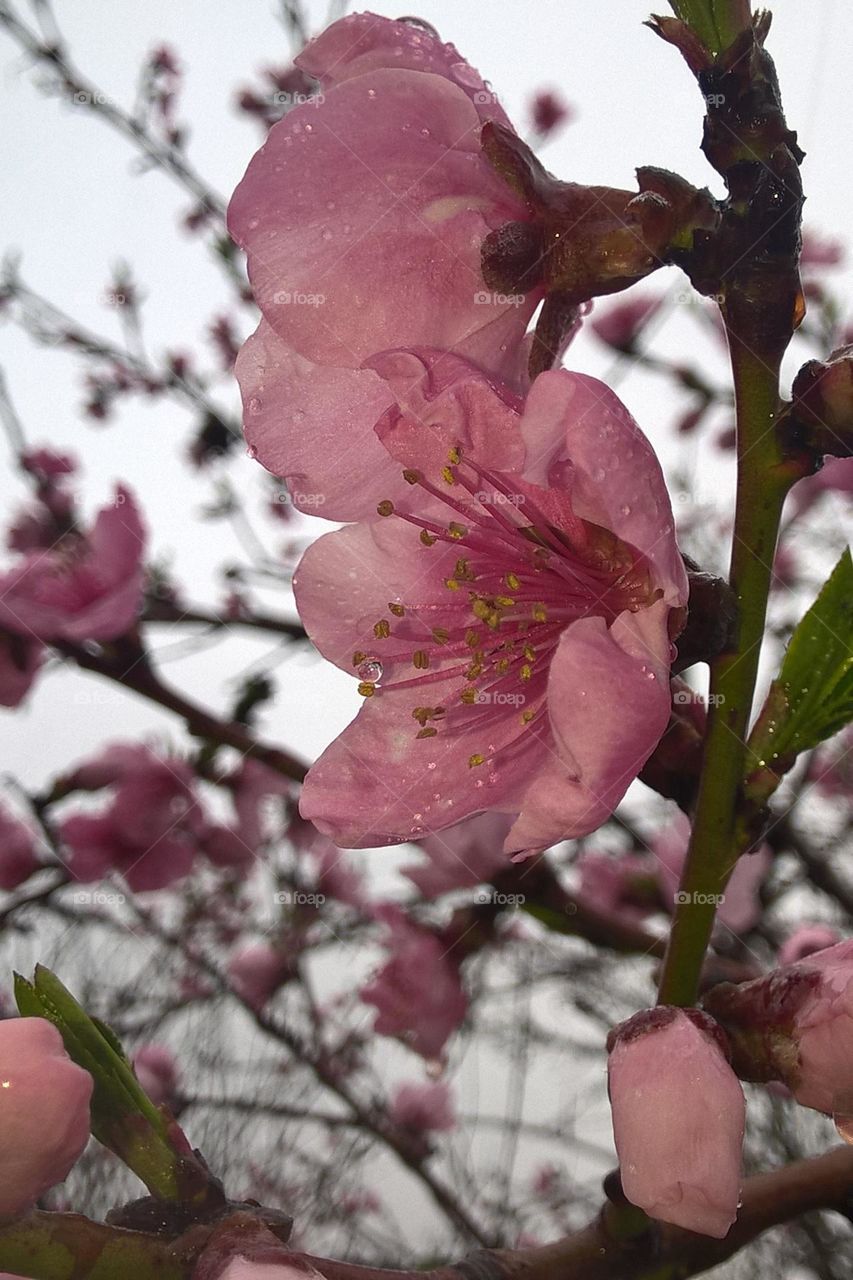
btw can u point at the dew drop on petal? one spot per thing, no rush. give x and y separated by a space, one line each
370 671
254 404
466 76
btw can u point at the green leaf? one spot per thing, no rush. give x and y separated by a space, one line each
124 1118
715 22
812 697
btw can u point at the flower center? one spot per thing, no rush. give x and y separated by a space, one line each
522 576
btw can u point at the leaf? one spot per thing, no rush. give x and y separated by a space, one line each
124 1118
812 697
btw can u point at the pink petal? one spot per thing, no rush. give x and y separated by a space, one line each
608 704
313 426
394 259
363 43
580 437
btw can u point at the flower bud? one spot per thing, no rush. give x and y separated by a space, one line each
823 403
796 1026
678 1119
44 1111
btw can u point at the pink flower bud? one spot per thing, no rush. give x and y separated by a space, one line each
806 940
157 1072
795 1025
678 1119
256 972
423 1107
44 1111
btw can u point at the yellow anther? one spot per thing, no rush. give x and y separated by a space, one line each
456 530
426 733
455 455
480 609
427 538
398 610
386 507
367 689
468 696
447 476
527 716
451 584
475 670
476 759
512 581
539 613
505 602
411 477
422 714
502 666
529 653
440 635
526 672
382 629
472 638
358 657
420 659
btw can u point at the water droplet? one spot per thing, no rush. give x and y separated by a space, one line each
371 93
467 76
431 765
253 223
252 451
296 128
650 675
370 670
327 235
425 133
254 403
309 128
626 510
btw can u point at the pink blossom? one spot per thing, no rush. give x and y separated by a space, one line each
157 1072
806 940
510 626
149 832
461 856
18 858
625 884
819 251
678 1119
20 660
86 587
835 476
619 323
418 992
44 1111
238 843
423 1108
823 1030
363 218
549 109
46 464
257 971
795 1025
741 905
